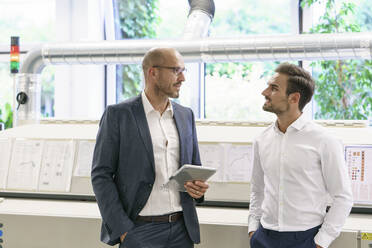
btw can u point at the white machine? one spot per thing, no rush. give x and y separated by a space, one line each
47 198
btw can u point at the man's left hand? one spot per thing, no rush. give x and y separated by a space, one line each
196 189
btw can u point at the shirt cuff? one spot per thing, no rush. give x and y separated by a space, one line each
253 225
323 239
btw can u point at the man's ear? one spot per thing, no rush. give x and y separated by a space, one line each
152 72
294 97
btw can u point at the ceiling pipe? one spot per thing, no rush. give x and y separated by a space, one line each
200 17
209 50
34 62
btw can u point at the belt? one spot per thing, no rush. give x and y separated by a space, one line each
173 217
296 234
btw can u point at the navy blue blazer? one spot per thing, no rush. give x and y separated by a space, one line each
123 171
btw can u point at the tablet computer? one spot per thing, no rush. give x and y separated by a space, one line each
190 172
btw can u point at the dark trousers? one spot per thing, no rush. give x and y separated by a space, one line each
158 235
264 238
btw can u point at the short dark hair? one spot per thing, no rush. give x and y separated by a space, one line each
299 81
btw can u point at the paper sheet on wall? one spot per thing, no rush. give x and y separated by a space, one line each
25 164
359 163
5 152
212 156
232 161
84 158
56 166
238 165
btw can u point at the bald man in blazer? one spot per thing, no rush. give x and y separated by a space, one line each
140 143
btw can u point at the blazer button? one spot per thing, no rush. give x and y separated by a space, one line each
150 185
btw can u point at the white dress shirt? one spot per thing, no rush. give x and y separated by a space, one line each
293 173
165 144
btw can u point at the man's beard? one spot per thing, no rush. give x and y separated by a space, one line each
274 110
168 91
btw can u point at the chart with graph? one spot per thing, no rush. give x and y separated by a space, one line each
359 163
25 164
232 161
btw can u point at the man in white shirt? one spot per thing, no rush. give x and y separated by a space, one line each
141 142
296 165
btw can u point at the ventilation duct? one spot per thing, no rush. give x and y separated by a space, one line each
200 17
255 48
211 50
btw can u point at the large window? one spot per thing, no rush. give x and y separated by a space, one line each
238 84
343 87
233 90
219 91
34 22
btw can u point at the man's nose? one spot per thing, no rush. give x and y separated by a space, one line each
264 92
181 77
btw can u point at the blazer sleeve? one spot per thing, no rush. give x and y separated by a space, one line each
105 162
196 154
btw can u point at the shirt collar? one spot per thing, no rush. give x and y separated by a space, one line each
297 124
300 122
149 108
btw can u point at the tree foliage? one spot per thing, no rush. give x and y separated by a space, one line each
343 87
229 70
6 116
138 19
365 13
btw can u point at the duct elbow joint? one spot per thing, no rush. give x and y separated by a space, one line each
200 17
206 6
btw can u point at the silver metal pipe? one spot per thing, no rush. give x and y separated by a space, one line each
200 17
197 25
206 6
28 113
250 48
33 62
254 48
210 50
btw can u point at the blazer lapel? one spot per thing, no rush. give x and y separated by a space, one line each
143 127
180 124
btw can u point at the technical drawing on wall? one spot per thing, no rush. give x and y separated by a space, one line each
56 166
211 155
232 161
239 163
25 164
84 158
5 150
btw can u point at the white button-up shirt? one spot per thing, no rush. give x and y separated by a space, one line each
165 145
293 173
